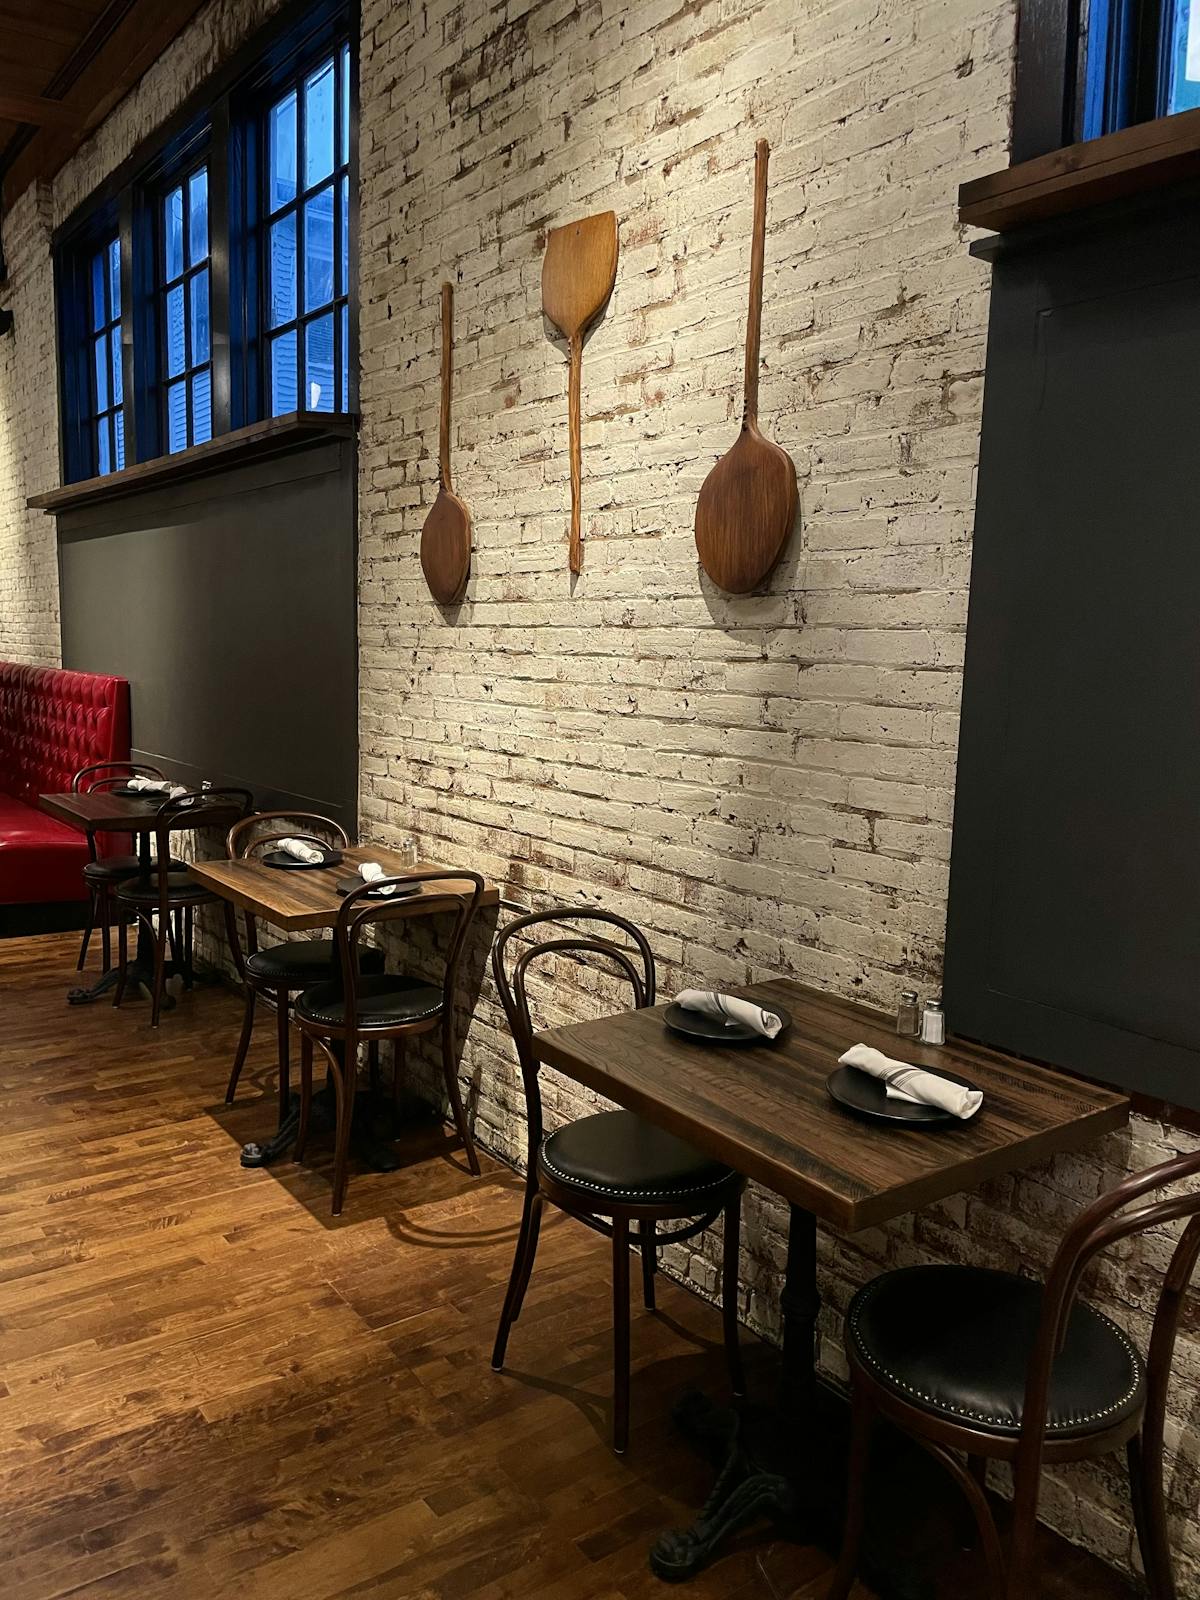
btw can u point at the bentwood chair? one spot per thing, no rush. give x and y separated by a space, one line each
361 1007
282 969
167 891
103 873
614 1164
990 1366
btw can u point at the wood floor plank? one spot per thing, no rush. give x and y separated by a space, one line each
209 1386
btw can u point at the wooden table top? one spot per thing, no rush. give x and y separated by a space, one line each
765 1110
103 812
297 900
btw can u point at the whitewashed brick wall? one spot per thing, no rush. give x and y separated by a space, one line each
764 783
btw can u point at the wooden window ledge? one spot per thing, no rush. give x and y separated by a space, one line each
1130 162
275 437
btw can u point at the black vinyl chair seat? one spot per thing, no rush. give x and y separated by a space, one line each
113 868
617 1155
301 963
956 1342
385 1000
182 889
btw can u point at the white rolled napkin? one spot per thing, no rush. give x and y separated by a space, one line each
914 1084
371 872
302 850
149 785
730 1009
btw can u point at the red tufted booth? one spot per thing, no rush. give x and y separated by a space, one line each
51 724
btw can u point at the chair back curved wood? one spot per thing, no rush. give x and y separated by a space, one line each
514 995
364 908
242 841
116 772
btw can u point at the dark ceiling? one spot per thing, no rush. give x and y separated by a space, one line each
64 64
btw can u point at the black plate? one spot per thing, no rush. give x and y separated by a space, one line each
867 1097
703 1029
126 793
280 858
349 885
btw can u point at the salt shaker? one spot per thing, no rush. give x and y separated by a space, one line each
408 849
908 1016
933 1023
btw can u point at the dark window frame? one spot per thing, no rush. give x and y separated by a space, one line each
77 337
183 279
1076 83
225 119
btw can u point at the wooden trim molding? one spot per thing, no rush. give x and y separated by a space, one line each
1147 156
277 436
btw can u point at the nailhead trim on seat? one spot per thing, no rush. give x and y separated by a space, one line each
1060 1425
631 1194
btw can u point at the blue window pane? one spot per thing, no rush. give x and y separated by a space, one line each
114 279
198 292
343 286
118 373
1184 56
101 360
283 269
281 160
202 407
344 140
344 390
173 233
197 216
176 348
177 417
103 460
318 250
318 124
283 374
119 425
99 315
318 364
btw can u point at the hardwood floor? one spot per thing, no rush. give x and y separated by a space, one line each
210 1387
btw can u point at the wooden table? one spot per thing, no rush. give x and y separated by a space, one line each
299 900
104 812
765 1111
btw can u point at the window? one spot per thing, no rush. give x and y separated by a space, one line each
216 262
306 210
1140 59
184 308
107 412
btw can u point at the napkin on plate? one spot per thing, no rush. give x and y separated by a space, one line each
302 850
730 1009
371 872
905 1082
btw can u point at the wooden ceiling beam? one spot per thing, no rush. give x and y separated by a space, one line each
132 47
35 109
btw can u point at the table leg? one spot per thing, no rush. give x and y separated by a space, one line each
762 1458
371 1142
141 968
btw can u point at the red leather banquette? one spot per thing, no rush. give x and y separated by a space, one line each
51 724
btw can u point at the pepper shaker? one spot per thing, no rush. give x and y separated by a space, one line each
908 1015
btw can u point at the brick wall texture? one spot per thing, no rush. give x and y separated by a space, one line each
765 783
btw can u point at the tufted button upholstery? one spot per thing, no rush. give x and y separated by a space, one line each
384 1000
52 723
301 962
617 1155
956 1341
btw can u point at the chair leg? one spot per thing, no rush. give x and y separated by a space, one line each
1020 1582
160 968
620 1237
189 923
649 1249
285 1065
729 1290
518 1279
862 1416
93 899
373 1066
239 1059
1150 1519
450 1071
344 1092
105 901
306 1060
122 957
